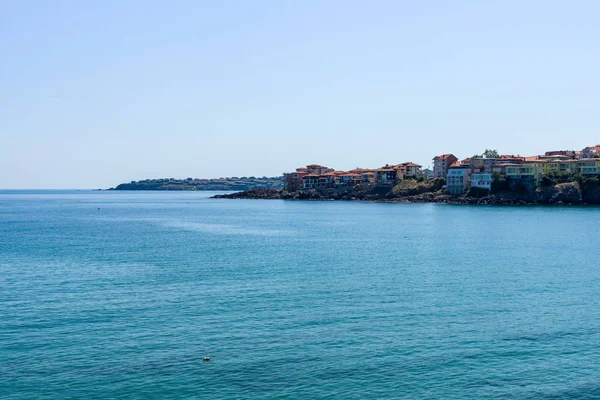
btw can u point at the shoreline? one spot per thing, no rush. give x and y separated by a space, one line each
501 199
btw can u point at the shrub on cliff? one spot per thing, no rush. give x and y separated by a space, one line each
554 177
590 188
438 184
412 187
568 192
499 183
588 182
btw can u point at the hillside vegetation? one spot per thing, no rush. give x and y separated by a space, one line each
234 183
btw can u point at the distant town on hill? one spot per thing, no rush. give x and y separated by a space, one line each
555 177
231 183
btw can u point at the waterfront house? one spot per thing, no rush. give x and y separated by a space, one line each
591 152
533 168
568 154
411 170
318 169
441 165
485 165
385 176
589 166
348 179
325 181
528 173
458 178
295 180
310 181
481 180
368 178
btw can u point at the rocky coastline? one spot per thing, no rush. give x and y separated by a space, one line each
563 194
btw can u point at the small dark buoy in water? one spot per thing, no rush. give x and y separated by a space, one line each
98 208
206 358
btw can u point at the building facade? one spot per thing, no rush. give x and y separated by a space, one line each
482 180
441 165
591 152
458 179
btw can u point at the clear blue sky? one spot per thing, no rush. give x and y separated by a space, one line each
94 93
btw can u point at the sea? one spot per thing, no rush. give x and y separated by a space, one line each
121 295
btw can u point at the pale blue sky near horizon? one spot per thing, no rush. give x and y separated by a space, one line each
98 93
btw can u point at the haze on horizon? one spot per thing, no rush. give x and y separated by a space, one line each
98 93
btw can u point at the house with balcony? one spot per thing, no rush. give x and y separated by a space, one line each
589 166
458 179
485 165
481 180
368 178
348 179
528 174
295 180
310 181
385 176
410 170
318 169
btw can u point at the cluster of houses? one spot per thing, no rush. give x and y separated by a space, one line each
460 176
316 176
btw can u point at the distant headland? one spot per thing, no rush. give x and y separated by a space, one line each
231 183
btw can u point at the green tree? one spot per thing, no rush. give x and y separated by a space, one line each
491 153
554 177
499 183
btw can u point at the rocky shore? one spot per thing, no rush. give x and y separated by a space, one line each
559 194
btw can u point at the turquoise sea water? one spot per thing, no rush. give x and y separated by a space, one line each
121 294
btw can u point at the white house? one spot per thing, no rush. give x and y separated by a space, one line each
482 180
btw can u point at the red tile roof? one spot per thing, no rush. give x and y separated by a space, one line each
443 156
505 156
